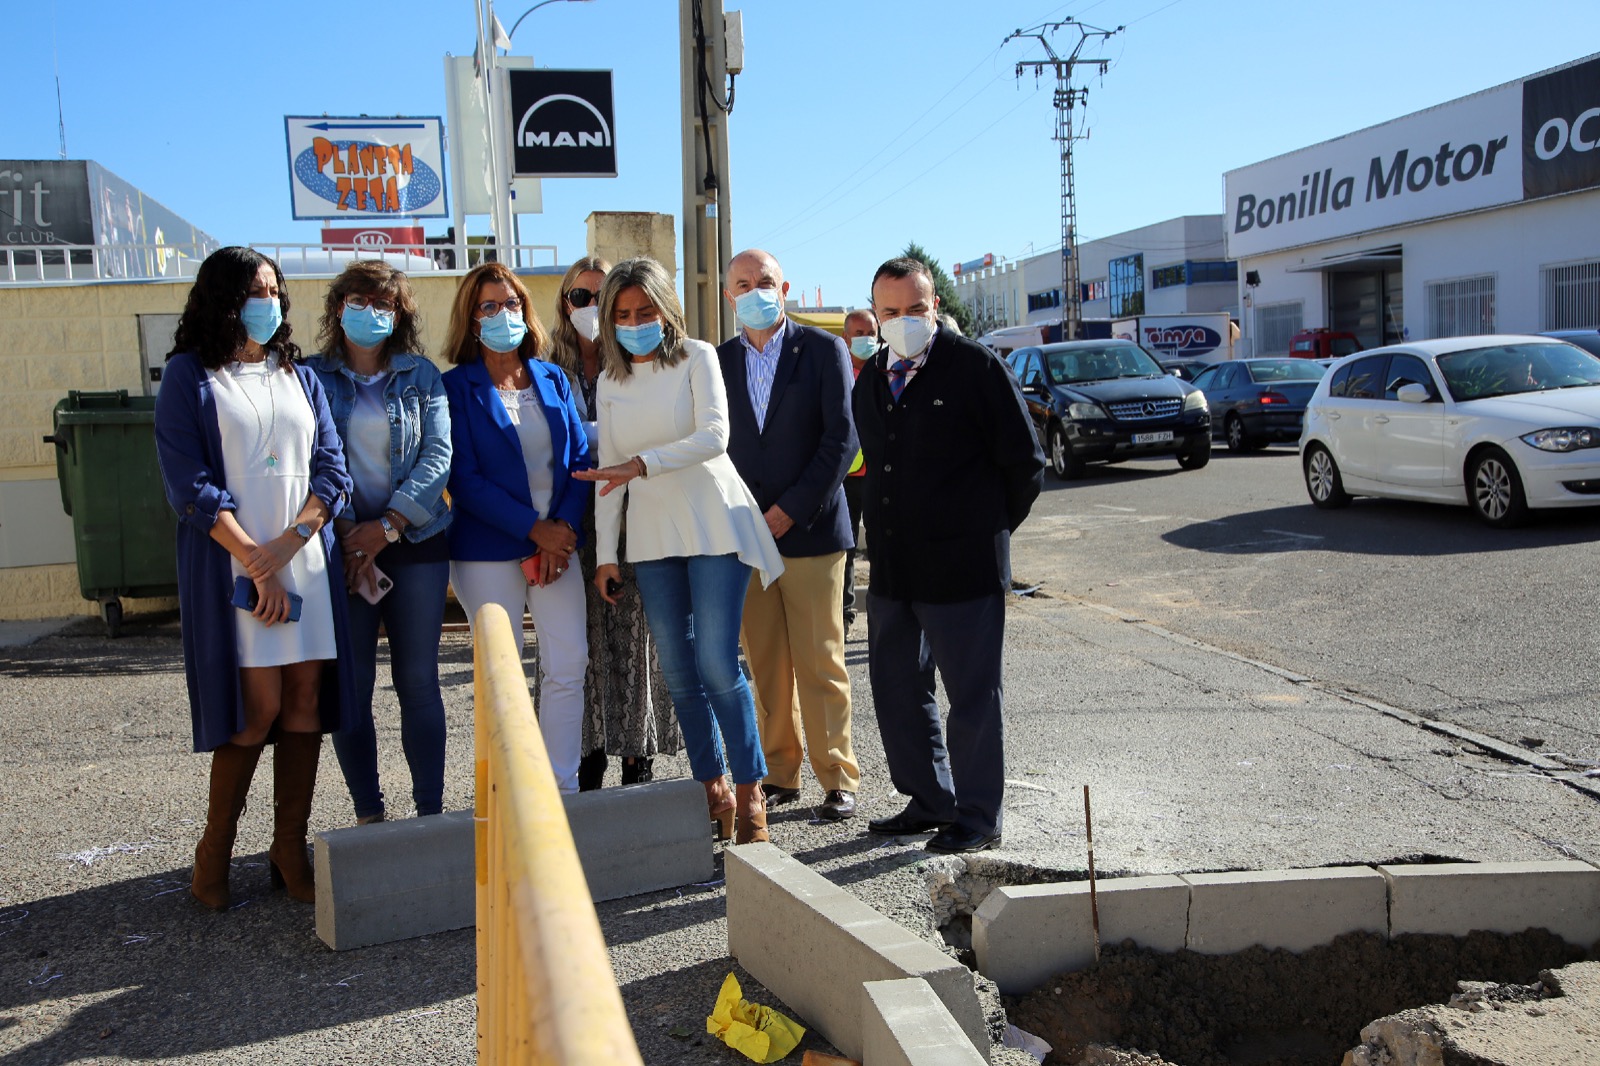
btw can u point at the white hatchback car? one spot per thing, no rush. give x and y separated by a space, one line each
1500 423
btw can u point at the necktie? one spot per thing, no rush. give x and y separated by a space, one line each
897 377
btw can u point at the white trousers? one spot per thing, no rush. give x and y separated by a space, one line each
557 610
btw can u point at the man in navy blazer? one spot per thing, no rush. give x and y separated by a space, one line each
791 439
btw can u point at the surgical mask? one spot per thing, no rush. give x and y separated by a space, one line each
640 340
863 347
261 316
367 327
907 335
759 308
503 331
586 320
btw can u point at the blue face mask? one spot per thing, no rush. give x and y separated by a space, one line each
759 308
502 332
640 340
368 327
261 316
863 347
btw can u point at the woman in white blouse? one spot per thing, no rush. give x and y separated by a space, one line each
516 440
694 530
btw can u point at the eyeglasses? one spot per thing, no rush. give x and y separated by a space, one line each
361 303
581 297
490 308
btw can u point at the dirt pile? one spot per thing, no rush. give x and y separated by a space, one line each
1261 1007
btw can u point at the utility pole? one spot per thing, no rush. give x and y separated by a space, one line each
703 63
1065 98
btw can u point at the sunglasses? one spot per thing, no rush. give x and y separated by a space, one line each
581 297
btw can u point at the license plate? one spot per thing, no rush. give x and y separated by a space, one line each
1153 438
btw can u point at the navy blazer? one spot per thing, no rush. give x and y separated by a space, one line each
488 478
798 460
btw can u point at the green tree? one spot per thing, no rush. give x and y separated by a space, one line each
943 288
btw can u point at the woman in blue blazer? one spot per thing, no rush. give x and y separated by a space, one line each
517 438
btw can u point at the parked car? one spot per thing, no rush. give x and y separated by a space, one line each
1187 369
1503 424
1323 343
1587 339
1255 402
1109 400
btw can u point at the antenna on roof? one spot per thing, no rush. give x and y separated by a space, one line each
61 115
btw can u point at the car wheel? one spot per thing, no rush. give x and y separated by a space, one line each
1323 482
1494 490
1063 463
1238 439
1196 455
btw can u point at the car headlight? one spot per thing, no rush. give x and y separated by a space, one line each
1080 412
1195 401
1563 439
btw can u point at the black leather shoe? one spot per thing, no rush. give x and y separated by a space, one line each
954 840
837 805
777 795
903 824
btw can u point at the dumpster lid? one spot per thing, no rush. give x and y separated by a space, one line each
110 408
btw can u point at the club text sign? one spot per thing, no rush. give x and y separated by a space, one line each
561 124
347 168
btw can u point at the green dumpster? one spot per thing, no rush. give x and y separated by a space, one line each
111 486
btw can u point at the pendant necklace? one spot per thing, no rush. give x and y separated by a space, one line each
263 433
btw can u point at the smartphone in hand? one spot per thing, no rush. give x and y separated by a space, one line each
245 598
374 585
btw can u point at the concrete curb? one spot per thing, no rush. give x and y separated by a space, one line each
904 1024
1024 934
814 945
408 878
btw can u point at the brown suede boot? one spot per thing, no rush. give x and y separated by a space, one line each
294 778
752 814
232 768
720 804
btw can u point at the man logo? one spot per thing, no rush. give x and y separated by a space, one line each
542 139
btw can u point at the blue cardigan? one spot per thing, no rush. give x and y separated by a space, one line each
189 448
488 477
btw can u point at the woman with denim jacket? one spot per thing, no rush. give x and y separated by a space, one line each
390 410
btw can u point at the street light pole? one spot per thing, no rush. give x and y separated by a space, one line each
499 182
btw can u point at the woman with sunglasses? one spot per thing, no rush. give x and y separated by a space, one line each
627 711
389 407
694 530
518 439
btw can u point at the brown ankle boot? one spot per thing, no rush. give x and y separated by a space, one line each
232 768
719 801
294 778
752 814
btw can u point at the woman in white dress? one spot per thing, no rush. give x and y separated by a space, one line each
253 468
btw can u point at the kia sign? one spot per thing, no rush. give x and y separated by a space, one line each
1520 141
350 168
1561 131
376 239
561 124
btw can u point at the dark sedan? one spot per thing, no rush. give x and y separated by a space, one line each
1255 402
1104 401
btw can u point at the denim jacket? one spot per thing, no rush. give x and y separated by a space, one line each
419 434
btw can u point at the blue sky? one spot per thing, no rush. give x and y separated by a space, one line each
858 125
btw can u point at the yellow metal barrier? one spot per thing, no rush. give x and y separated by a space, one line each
546 993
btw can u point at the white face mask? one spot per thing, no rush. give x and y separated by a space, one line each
907 335
586 320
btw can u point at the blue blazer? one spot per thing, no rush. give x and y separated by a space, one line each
488 478
798 460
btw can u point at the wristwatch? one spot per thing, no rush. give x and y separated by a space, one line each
303 531
390 533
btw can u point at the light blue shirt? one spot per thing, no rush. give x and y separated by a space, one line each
366 449
760 368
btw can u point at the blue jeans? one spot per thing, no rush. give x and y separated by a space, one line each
412 614
694 606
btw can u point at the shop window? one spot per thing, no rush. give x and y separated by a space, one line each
1276 325
1571 296
1126 285
1462 307
1094 290
1167 277
1043 301
1210 271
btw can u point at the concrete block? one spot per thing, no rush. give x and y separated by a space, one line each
406 878
904 1024
1025 934
813 945
1500 897
1290 909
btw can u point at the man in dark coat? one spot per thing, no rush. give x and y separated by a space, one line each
791 440
952 469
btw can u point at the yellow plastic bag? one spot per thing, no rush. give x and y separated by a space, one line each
756 1032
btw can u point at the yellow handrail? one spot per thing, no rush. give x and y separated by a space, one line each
546 992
